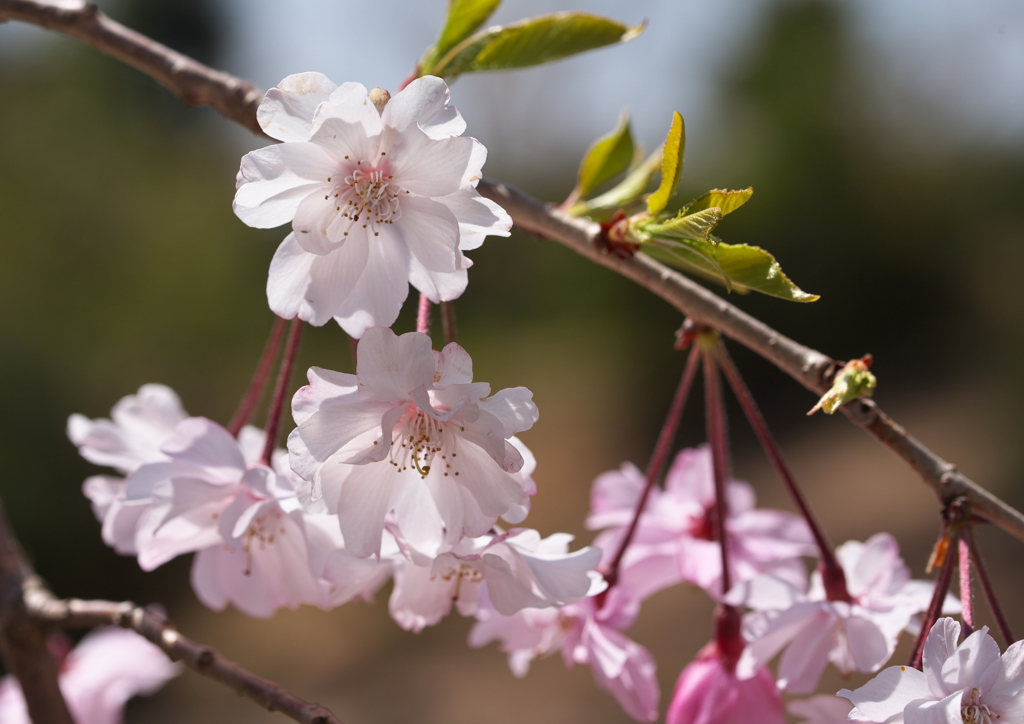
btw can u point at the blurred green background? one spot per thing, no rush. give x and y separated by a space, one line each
122 264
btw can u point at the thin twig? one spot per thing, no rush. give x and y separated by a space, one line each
934 608
832 573
192 82
23 638
291 351
718 438
662 448
236 100
205 660
259 378
986 586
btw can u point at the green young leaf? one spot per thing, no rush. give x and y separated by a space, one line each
530 42
726 201
671 166
464 17
739 267
696 227
626 192
607 158
852 382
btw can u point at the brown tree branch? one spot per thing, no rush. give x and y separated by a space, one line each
74 613
196 83
23 638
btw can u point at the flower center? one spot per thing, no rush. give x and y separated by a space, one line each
262 532
368 197
419 438
974 712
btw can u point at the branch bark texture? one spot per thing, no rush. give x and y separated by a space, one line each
238 100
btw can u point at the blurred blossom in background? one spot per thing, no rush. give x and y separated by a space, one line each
885 145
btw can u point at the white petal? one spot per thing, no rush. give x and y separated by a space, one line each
424 103
349 102
286 112
377 297
366 497
431 167
888 694
390 366
803 661
420 598
946 711
514 407
439 286
454 366
349 138
315 224
336 425
431 232
478 217
277 178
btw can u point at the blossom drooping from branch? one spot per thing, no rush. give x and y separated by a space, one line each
674 539
859 635
709 692
378 199
518 569
962 683
98 677
410 434
585 634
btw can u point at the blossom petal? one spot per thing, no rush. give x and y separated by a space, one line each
420 598
351 136
424 103
366 497
478 217
946 711
868 646
349 102
430 167
454 366
514 407
431 232
377 297
333 427
324 387
438 286
888 694
286 112
390 366
276 179
205 444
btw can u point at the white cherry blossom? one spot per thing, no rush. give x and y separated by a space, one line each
518 569
378 199
962 683
411 435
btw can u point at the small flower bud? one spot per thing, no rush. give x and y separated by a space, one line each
379 97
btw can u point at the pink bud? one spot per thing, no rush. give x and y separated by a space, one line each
709 693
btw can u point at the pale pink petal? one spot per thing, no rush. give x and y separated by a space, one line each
946 711
331 429
205 444
377 297
277 179
514 407
423 103
478 217
939 647
350 136
324 386
390 366
350 103
868 646
631 679
365 498
420 598
614 497
429 167
319 225
431 232
453 366
438 286
286 112
976 664
823 709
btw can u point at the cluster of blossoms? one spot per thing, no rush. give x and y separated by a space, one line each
403 470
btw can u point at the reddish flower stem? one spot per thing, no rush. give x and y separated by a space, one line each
423 315
662 448
448 322
718 438
353 348
966 604
291 351
934 608
967 534
832 574
259 378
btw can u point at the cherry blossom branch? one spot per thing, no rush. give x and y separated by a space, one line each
23 639
986 585
291 351
237 100
259 378
662 448
74 613
192 82
448 322
833 577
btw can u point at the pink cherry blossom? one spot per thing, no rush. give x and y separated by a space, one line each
709 692
140 425
411 435
585 635
378 199
674 540
98 677
518 569
965 683
859 635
